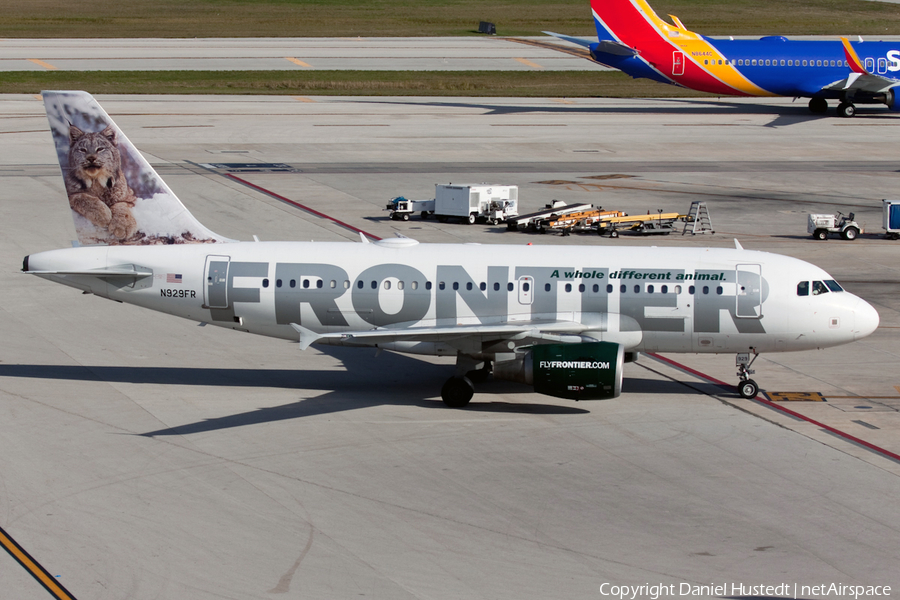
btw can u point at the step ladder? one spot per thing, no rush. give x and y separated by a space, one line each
698 220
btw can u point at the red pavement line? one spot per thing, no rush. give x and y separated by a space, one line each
787 411
301 206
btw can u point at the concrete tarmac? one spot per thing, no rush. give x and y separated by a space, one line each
147 457
233 54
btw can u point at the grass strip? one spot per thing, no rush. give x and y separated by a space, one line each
528 84
379 18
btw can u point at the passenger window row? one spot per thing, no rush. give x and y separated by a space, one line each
510 286
753 62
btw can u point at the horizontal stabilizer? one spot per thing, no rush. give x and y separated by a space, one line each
569 38
616 48
116 273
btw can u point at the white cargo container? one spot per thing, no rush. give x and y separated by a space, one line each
473 202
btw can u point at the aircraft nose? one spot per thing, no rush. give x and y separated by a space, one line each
867 319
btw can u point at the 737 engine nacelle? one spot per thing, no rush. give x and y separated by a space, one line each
586 371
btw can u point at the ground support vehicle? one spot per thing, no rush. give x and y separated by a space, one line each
474 202
820 226
576 221
892 219
660 224
532 221
401 208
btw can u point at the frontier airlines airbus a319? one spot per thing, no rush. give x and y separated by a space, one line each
563 319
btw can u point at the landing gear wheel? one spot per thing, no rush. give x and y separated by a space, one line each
818 106
457 392
846 110
479 375
748 389
850 233
820 234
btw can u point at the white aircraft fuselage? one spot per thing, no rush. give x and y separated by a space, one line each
647 299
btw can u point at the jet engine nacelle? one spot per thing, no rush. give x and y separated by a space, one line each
586 371
892 100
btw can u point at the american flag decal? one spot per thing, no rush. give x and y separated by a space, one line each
173 277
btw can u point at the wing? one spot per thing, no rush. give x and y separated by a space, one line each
859 79
474 338
459 335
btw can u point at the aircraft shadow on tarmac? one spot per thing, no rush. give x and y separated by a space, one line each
782 115
390 379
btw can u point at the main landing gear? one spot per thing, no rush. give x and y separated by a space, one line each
747 388
819 106
459 389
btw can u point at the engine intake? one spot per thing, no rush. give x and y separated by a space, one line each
587 371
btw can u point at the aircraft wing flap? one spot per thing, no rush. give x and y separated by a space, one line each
863 82
535 329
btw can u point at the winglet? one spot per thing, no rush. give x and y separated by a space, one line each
307 336
363 237
852 58
737 245
678 23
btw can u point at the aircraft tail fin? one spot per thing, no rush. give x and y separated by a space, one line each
116 197
630 21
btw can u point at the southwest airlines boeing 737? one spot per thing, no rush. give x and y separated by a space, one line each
635 40
563 319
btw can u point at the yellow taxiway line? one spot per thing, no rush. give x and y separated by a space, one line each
41 63
34 568
297 61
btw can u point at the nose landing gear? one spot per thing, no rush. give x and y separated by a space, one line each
747 388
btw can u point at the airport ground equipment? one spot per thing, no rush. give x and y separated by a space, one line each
892 219
402 208
698 219
532 221
819 226
476 202
660 223
581 220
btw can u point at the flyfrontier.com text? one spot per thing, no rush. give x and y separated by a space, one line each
785 590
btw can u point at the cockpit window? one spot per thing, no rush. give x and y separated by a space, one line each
833 285
819 288
803 288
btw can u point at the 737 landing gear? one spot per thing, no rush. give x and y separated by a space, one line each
747 388
846 109
818 106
